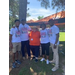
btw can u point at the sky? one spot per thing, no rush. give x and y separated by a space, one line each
36 10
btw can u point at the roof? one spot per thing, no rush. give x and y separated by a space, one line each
56 21
54 16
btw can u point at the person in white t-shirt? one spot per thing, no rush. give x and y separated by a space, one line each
24 29
15 42
54 40
45 43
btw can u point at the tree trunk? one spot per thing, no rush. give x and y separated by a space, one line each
22 9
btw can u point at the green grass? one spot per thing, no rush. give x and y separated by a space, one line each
62 36
41 68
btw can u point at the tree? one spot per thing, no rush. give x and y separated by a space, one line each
28 15
44 3
59 4
18 8
40 17
14 11
22 9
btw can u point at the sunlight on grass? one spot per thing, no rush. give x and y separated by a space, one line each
42 73
62 36
53 64
60 44
31 69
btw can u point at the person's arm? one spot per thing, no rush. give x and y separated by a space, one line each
57 37
39 34
10 40
29 29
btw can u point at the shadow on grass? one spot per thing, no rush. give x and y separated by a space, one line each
62 47
41 68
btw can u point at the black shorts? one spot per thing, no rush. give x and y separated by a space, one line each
45 47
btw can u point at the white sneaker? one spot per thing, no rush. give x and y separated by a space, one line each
42 59
54 68
47 61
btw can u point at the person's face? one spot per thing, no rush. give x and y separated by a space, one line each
17 23
34 29
23 22
51 23
43 27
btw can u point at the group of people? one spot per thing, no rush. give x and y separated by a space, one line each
22 35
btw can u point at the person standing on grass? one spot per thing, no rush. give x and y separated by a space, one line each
54 40
45 43
24 28
15 42
35 42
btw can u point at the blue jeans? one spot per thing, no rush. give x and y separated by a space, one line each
23 43
35 50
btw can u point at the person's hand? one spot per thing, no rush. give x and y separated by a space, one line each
13 26
55 46
11 46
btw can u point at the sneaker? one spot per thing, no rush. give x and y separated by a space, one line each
42 59
47 61
36 60
54 68
33 58
23 58
18 62
13 65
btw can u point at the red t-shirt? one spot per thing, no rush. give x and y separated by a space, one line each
34 38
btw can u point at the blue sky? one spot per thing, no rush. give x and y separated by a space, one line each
36 10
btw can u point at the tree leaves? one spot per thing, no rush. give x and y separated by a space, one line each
40 17
59 4
45 3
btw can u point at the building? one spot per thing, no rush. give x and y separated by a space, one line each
59 19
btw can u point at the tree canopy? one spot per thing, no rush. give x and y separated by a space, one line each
40 17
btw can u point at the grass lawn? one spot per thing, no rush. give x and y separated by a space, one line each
62 36
30 67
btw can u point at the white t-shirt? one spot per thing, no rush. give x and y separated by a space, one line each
44 36
15 32
24 32
52 34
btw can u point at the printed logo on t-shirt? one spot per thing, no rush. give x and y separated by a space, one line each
24 30
17 34
43 34
50 32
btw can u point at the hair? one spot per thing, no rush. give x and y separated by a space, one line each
51 20
43 24
17 20
22 19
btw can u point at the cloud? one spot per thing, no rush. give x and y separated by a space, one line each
39 12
